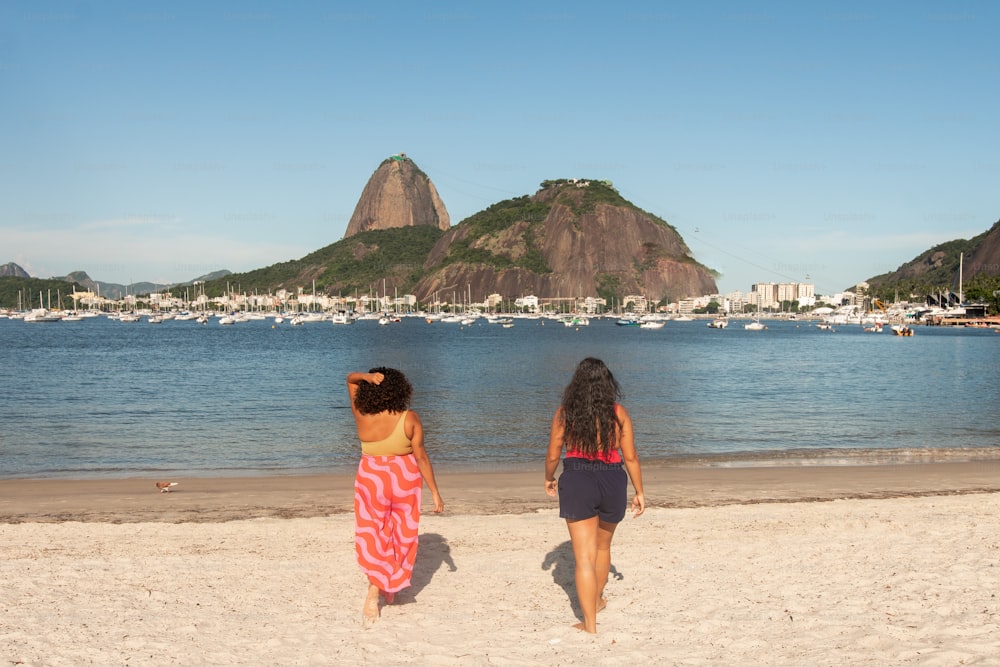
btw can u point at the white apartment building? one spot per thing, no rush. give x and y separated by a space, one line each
685 306
529 303
591 305
771 295
735 301
689 306
638 301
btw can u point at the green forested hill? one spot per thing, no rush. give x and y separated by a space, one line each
936 271
390 257
26 293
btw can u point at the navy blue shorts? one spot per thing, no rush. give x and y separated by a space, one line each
592 488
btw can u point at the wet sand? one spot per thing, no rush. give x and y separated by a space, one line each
207 499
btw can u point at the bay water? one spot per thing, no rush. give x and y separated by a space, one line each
102 398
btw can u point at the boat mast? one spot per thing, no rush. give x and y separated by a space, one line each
961 259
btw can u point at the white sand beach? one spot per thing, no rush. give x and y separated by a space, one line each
883 578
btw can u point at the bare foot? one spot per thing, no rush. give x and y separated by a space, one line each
581 626
370 613
601 604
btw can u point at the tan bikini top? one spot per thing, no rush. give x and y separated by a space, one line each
397 444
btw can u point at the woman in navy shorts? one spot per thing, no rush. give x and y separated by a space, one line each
596 432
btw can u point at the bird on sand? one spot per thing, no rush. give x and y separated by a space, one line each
164 487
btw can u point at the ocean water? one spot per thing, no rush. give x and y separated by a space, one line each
101 398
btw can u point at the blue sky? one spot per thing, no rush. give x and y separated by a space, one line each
786 141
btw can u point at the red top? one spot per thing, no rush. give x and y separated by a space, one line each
612 456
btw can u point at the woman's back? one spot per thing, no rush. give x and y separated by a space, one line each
373 428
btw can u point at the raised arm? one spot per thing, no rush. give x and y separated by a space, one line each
355 379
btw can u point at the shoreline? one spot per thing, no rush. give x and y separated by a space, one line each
222 499
779 458
831 565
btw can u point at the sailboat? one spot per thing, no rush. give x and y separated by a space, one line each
42 314
755 325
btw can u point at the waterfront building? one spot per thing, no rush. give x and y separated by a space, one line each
637 301
528 303
493 302
592 305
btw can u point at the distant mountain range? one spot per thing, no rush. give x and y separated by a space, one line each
572 238
106 290
116 291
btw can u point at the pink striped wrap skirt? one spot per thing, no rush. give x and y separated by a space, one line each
387 492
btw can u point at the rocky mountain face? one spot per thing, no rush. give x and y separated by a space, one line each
398 194
571 239
12 270
985 257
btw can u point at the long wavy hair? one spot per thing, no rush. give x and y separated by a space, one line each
392 395
590 421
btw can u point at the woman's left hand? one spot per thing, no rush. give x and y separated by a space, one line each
638 504
438 503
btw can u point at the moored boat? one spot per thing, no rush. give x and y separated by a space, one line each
42 315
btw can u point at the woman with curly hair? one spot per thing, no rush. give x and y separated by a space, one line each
596 432
387 490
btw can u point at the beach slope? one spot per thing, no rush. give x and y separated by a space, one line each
721 571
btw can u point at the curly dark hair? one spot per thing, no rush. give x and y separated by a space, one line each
590 421
392 395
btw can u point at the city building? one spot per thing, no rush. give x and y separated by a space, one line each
528 303
773 295
637 301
